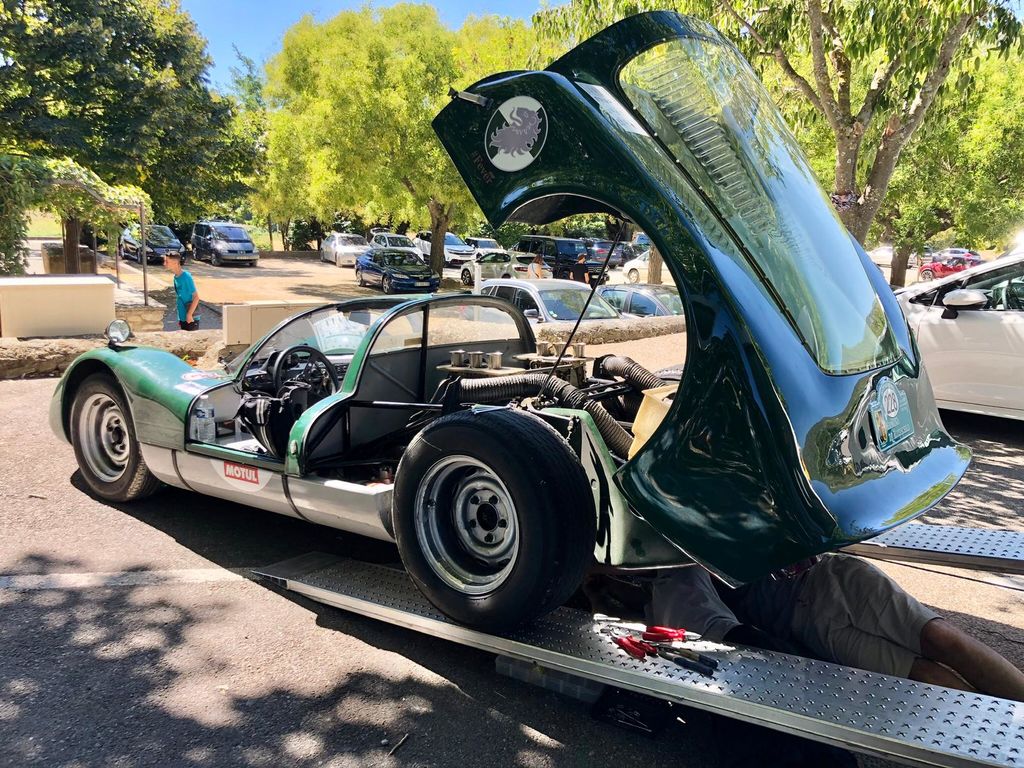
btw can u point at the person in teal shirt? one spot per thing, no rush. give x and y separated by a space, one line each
185 291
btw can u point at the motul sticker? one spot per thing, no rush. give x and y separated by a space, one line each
242 477
516 133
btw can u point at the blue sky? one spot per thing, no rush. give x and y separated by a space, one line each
257 26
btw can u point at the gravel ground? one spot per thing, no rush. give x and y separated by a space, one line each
187 663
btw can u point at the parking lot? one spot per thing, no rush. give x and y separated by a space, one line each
132 635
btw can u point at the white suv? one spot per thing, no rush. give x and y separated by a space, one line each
456 250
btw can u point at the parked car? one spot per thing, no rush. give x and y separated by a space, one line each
393 242
481 244
597 250
456 251
221 242
948 253
882 256
643 300
343 248
641 241
635 270
970 330
932 269
559 253
160 241
1013 250
544 301
496 264
395 270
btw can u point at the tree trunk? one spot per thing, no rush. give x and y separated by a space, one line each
286 241
72 234
439 218
270 232
847 149
654 267
900 257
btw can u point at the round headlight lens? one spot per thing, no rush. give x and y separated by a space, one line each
118 331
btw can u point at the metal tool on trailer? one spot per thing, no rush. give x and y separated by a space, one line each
875 714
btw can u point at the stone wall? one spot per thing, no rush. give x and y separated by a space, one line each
611 331
35 358
142 318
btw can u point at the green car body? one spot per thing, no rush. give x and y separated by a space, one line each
773 450
803 420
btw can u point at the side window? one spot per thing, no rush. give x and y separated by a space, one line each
403 332
524 300
639 304
524 246
425 237
549 249
615 298
505 292
1004 287
488 291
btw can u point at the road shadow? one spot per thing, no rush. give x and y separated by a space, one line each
990 495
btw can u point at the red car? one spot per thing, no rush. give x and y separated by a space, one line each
948 266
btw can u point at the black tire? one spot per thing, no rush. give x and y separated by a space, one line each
467 277
214 259
387 285
633 276
551 513
506 277
927 275
359 277
135 481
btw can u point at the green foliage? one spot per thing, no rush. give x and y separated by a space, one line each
19 183
351 103
857 78
120 87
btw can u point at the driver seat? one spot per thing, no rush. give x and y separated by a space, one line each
270 419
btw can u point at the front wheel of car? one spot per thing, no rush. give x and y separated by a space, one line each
387 285
927 275
215 260
494 517
633 276
467 277
105 443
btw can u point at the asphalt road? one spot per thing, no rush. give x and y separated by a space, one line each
131 637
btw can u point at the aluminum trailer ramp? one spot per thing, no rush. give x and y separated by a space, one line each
977 548
875 714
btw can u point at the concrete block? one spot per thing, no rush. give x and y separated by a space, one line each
55 306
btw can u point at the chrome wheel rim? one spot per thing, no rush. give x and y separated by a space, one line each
634 276
466 525
104 437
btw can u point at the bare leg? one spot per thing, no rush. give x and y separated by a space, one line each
978 664
933 673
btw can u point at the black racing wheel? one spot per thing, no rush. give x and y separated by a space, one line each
318 371
494 517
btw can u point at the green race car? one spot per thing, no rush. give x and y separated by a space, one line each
802 421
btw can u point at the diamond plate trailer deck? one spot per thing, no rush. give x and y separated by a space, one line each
987 550
875 714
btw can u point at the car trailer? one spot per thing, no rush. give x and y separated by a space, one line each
875 714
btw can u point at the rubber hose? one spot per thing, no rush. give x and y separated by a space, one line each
631 371
505 388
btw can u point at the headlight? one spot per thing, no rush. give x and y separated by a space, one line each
118 332
220 245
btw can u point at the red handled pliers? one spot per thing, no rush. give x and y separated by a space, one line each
668 635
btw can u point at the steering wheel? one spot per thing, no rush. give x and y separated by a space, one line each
318 371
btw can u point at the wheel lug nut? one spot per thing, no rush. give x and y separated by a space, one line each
503 523
492 500
475 500
472 523
488 538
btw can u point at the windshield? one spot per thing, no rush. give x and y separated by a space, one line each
233 234
352 240
402 260
328 330
567 303
669 299
485 243
160 235
399 241
704 102
451 239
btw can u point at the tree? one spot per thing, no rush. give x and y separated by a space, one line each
355 114
119 86
870 70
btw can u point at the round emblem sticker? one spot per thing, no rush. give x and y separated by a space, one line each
890 401
515 133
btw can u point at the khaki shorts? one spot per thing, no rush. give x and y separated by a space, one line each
842 609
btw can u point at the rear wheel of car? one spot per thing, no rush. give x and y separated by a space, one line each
506 277
467 277
106 447
927 274
494 517
387 285
359 277
633 276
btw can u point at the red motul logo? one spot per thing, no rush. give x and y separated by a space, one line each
241 472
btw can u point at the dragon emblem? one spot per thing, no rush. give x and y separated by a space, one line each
520 134
516 133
